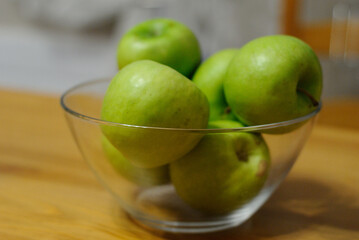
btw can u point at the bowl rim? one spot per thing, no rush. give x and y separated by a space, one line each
253 128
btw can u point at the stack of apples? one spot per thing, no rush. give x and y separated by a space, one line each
163 88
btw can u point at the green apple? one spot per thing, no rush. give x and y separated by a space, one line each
141 176
209 78
162 40
149 94
223 172
273 79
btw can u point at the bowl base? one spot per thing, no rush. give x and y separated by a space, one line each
202 224
187 228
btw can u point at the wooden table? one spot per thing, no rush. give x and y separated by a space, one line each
48 192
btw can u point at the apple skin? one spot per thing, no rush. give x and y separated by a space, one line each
162 40
140 176
273 79
223 172
149 94
209 78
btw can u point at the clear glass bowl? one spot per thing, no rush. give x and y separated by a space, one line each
155 203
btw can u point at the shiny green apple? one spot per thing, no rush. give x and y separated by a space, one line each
162 40
148 95
141 176
273 79
209 78
223 172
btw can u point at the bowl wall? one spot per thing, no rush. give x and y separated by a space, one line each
149 195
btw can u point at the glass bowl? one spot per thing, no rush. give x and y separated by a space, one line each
148 195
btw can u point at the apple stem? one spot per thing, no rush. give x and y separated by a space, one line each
305 92
227 110
242 156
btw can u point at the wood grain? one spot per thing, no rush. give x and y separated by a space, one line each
48 192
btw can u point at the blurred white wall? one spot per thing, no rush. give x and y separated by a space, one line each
51 45
48 53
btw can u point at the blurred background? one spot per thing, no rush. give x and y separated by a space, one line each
51 45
